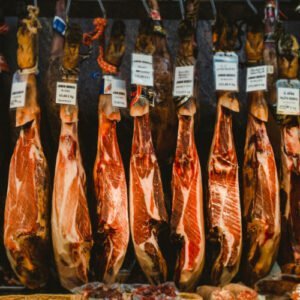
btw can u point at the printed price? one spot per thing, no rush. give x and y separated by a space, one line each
142 69
288 101
256 79
66 93
226 71
119 95
18 94
184 81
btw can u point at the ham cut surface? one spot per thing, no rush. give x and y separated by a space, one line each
261 193
147 207
290 183
224 211
26 232
111 193
187 223
71 227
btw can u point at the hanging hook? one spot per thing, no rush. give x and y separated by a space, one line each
35 3
182 9
102 8
214 10
68 9
146 7
253 8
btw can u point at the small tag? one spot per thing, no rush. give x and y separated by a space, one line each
119 94
66 93
270 69
288 101
256 79
226 71
18 91
108 80
184 81
142 69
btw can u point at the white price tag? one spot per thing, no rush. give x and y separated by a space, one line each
18 94
256 79
119 95
184 81
226 71
288 101
66 93
108 79
142 69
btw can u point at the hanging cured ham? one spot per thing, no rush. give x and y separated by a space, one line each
26 220
224 210
112 236
162 115
147 207
187 223
290 162
260 183
71 226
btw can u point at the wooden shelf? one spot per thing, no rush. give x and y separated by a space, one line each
133 9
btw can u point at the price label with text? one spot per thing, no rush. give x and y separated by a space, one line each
226 71
18 94
142 69
66 93
288 101
119 95
184 81
256 79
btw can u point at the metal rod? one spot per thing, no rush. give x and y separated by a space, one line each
181 9
252 6
146 6
102 8
68 7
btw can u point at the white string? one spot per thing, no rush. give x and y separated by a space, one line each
102 8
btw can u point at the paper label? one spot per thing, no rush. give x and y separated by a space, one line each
184 81
288 101
66 93
119 95
256 79
226 71
270 69
18 94
142 69
108 79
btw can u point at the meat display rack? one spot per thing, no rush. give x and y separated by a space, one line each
169 8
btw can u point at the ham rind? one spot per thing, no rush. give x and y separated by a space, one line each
187 223
224 211
71 227
26 232
261 195
111 193
290 183
147 207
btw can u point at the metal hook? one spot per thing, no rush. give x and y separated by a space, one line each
181 9
146 7
102 8
68 8
214 10
35 3
253 8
